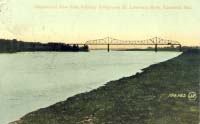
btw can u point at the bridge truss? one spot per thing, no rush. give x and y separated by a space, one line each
152 41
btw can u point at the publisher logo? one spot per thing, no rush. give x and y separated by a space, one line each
192 96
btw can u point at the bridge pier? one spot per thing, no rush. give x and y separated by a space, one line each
108 47
180 48
156 47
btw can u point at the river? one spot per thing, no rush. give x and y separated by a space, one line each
33 80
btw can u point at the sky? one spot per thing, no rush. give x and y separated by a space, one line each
81 20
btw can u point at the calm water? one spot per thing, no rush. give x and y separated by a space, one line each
29 81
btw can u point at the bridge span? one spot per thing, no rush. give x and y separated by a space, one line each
156 41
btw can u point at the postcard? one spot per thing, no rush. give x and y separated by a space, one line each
99 61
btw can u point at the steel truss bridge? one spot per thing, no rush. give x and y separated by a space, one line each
156 41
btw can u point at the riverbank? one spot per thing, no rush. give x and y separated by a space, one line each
13 46
158 95
172 49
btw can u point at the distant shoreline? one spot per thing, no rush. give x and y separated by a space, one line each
143 98
173 49
168 49
13 46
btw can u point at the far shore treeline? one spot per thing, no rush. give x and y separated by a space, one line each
10 46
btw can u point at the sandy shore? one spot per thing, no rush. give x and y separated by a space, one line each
164 93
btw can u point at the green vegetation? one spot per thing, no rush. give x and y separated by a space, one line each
12 46
158 95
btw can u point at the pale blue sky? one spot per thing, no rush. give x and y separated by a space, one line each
22 19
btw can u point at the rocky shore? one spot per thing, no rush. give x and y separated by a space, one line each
164 93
